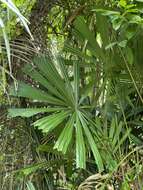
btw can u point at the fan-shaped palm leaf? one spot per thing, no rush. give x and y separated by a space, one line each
55 89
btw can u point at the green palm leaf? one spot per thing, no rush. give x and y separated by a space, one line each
80 145
27 91
62 97
65 137
92 143
28 112
48 123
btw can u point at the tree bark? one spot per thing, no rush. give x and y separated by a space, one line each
38 20
39 31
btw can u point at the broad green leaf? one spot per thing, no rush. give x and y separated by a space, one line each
27 91
129 55
123 43
103 29
34 74
50 72
123 3
28 112
139 1
82 27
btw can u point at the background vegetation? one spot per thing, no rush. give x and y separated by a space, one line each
71 95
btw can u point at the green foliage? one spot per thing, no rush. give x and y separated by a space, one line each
3 24
87 102
68 109
33 168
30 186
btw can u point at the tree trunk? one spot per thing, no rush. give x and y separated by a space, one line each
39 31
38 20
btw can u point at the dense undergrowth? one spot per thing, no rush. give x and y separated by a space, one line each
72 97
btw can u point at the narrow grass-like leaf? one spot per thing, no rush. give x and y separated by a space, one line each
38 166
117 133
12 7
6 44
112 129
48 123
30 186
92 143
124 137
107 12
80 145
